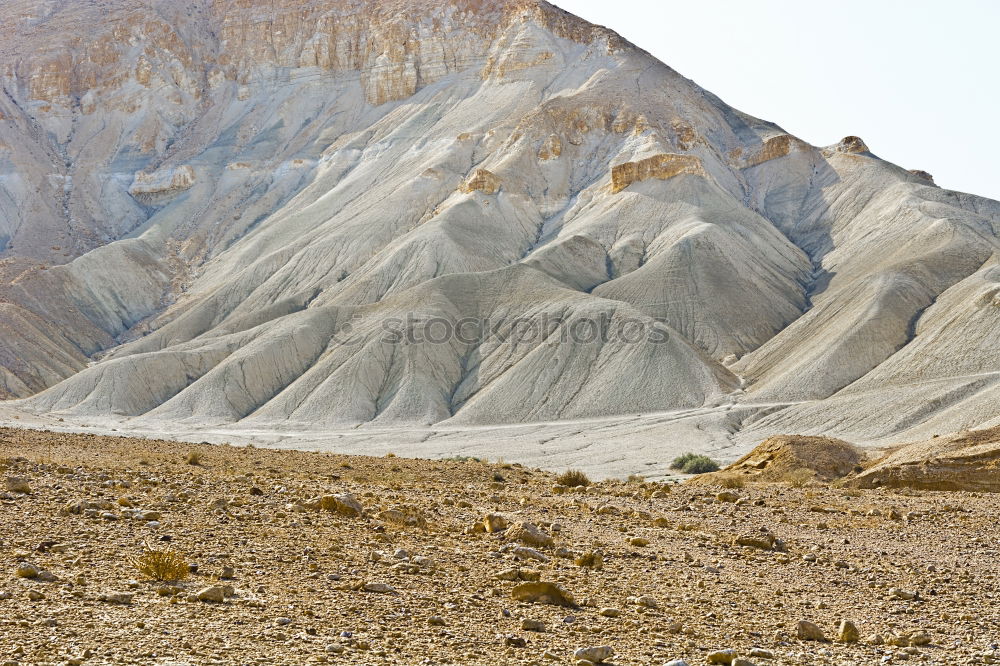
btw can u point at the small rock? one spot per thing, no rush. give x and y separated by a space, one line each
529 534
123 598
214 594
515 641
27 570
639 542
807 631
17 484
379 588
494 522
761 653
345 504
543 593
595 655
759 540
526 553
508 574
609 612
848 632
726 656
644 600
677 662
35 595
903 595
436 621
727 496
528 624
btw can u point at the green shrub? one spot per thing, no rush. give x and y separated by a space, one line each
692 463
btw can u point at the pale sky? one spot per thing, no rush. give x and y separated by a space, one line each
918 80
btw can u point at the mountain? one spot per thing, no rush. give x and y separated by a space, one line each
333 213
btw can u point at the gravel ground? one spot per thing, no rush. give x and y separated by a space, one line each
284 571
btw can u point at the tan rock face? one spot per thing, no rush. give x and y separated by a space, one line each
551 149
482 181
773 148
968 461
659 167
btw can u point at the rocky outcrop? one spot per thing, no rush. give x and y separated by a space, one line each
551 149
781 457
852 145
773 148
161 186
658 167
483 181
968 461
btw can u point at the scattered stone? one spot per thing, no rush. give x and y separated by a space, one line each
123 598
644 600
609 612
595 655
721 656
18 484
345 504
214 594
526 553
807 631
379 588
759 540
529 534
27 570
848 632
494 522
543 593
528 624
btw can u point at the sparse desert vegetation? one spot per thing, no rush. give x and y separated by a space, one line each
573 478
117 551
693 463
161 564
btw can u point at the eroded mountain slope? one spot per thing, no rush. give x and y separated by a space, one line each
209 199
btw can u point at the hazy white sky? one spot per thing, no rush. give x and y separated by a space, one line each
918 80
